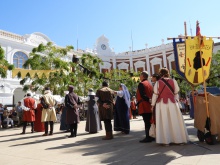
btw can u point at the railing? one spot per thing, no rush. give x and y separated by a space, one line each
9 35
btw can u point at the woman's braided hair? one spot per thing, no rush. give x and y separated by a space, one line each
164 72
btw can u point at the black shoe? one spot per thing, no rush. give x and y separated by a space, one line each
71 136
22 133
153 139
146 140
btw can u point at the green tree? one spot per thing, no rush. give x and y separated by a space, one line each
4 65
48 57
184 85
116 77
86 74
214 71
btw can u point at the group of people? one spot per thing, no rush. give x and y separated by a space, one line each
39 115
7 116
156 101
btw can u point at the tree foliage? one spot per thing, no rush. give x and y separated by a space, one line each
214 77
48 57
86 74
116 77
4 65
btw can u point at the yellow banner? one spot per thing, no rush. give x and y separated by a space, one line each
181 56
197 67
31 72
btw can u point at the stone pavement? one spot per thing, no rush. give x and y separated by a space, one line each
34 149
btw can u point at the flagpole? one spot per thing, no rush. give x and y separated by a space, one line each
191 85
184 37
190 28
185 29
204 85
77 38
131 41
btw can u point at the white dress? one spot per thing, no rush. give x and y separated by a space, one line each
170 126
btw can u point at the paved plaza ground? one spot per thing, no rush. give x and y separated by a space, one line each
35 149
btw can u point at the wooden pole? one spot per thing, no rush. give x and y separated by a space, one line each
184 37
204 84
185 29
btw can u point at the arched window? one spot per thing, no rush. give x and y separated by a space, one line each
19 59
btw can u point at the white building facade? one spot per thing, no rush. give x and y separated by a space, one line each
17 49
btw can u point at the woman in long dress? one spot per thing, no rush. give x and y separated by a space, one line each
38 125
93 123
170 126
63 125
122 108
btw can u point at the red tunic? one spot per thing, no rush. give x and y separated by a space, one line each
29 116
38 125
144 106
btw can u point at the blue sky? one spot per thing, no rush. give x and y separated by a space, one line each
63 21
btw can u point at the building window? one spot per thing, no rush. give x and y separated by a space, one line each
156 68
19 59
173 65
104 70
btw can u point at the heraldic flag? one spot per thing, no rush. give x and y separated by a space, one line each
198 59
179 54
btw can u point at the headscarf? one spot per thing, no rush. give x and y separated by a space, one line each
126 95
91 92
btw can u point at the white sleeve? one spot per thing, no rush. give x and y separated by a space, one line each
96 98
86 99
23 107
120 93
35 104
176 90
155 94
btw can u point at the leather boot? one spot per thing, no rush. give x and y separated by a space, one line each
32 127
51 128
108 136
111 135
24 127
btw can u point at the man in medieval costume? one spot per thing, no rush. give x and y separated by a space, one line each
28 105
106 103
72 111
144 95
48 113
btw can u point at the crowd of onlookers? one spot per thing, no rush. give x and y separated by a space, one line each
13 117
184 105
8 117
